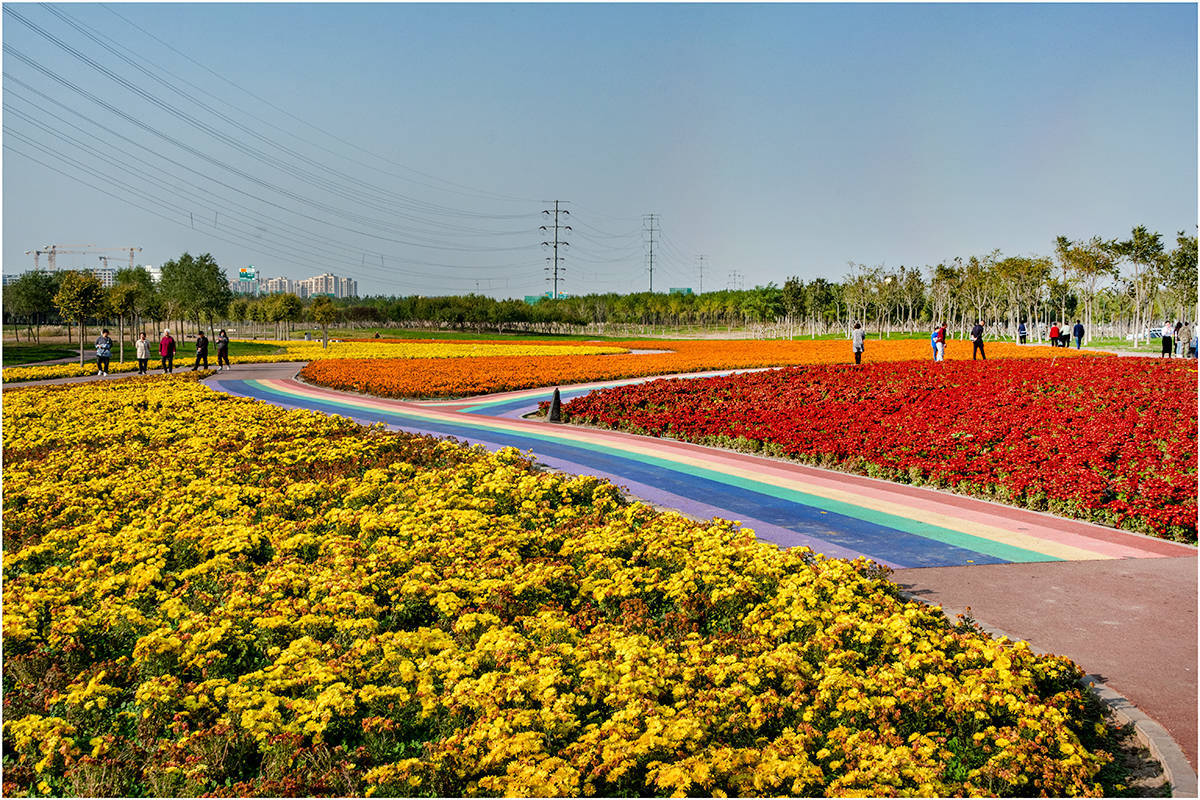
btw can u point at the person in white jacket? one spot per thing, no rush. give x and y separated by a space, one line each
143 353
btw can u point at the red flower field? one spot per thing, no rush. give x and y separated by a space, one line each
1105 439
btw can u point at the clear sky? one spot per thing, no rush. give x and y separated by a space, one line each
414 147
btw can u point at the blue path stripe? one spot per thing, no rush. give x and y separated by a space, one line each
896 547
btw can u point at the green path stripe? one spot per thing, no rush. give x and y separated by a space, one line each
937 533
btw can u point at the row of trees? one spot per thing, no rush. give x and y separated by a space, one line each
1116 286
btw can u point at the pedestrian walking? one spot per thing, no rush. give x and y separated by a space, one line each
1167 339
1022 332
857 338
1185 340
977 341
103 352
222 351
201 351
1054 334
1175 333
1077 332
143 353
166 350
941 343
933 341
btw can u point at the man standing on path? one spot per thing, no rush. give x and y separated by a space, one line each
940 341
1077 332
201 351
977 341
857 337
166 349
1054 335
1022 332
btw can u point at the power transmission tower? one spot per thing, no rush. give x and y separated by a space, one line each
555 244
649 220
700 271
736 280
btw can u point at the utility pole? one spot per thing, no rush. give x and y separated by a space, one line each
649 221
735 280
700 270
555 244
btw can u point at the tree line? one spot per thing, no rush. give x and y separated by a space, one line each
1114 286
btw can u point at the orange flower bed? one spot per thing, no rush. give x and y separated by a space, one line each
465 377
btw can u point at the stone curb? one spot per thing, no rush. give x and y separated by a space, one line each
1154 736
1162 746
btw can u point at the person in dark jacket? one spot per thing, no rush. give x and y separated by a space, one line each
201 351
222 350
103 352
166 350
1022 332
1077 332
977 341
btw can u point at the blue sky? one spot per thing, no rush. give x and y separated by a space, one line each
413 147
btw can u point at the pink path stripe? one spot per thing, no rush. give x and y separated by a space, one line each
912 502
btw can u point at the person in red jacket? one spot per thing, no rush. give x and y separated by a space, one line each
1054 334
940 343
166 349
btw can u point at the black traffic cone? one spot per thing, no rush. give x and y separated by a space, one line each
555 414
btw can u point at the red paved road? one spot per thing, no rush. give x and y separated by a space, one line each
1131 621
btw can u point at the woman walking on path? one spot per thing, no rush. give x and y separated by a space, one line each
1178 329
143 353
103 352
857 338
166 349
940 343
933 341
1167 339
222 351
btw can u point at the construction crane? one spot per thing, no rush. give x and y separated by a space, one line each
52 250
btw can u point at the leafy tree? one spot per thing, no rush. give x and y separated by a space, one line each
323 311
197 287
1141 251
31 297
123 299
290 308
1088 262
1179 276
79 296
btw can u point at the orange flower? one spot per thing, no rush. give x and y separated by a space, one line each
464 377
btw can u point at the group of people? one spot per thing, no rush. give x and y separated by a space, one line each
1061 337
937 340
166 351
1178 340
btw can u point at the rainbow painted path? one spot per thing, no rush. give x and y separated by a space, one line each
833 513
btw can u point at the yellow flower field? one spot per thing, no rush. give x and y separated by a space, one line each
313 351
209 595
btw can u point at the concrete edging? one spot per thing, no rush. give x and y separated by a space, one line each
1154 736
1162 746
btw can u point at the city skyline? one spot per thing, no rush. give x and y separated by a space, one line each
418 148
